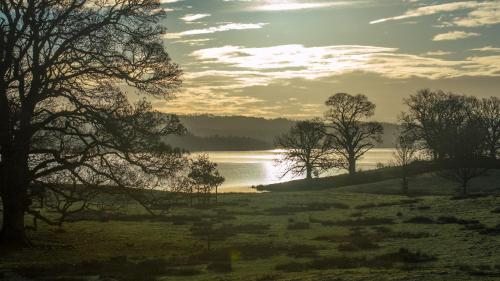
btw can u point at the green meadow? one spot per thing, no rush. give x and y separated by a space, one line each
361 232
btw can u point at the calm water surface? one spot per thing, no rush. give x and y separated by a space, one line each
243 169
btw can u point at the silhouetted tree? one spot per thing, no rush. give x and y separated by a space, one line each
204 176
433 118
468 160
406 152
307 149
63 67
351 136
455 131
489 114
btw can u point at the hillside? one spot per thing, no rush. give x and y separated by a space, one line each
239 126
217 143
209 132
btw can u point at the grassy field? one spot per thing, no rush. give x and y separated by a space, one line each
362 232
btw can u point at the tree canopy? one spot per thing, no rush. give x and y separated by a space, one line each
307 149
67 67
350 132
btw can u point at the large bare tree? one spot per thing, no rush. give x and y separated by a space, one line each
433 117
467 159
459 131
64 65
307 149
351 134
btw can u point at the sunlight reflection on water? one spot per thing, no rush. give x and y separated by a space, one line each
243 169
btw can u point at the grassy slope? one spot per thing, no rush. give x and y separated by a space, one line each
362 177
461 254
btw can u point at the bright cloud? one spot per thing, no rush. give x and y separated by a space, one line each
481 13
431 10
486 14
438 53
289 5
193 42
222 74
260 66
193 17
213 29
454 35
487 49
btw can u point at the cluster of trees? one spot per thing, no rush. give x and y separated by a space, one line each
65 119
337 140
460 134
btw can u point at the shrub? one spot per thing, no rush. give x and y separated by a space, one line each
420 220
365 222
454 220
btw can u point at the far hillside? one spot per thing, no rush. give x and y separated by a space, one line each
209 132
237 126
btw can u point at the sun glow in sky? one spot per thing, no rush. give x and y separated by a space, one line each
277 58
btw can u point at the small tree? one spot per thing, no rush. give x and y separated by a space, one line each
351 136
406 152
307 149
204 176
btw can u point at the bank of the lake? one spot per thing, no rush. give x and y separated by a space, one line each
244 169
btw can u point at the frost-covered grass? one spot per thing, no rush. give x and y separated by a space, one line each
330 234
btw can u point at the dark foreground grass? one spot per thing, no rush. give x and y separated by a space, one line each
316 235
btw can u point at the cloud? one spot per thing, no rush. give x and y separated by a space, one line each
193 42
261 66
481 13
213 29
431 10
220 100
193 17
289 5
485 14
486 49
454 35
237 80
437 53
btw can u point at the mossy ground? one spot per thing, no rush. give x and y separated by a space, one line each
331 234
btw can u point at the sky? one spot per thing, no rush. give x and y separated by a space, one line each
284 58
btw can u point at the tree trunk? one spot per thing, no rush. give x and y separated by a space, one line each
493 152
352 166
464 187
308 172
404 183
14 185
13 232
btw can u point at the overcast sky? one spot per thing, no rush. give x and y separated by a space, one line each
283 58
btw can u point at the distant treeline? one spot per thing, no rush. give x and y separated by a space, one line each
195 143
209 132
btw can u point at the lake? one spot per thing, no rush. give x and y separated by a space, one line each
243 169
